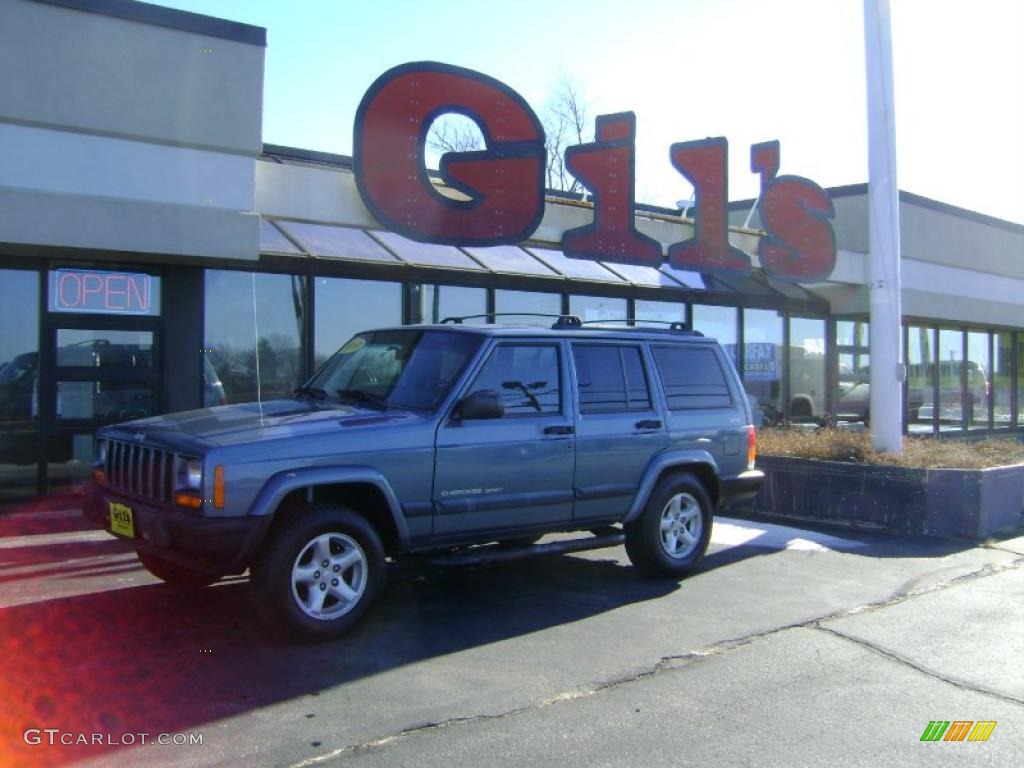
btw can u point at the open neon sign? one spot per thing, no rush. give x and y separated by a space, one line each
504 182
95 291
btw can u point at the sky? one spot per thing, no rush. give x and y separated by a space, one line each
749 70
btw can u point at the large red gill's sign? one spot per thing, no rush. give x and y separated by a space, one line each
504 182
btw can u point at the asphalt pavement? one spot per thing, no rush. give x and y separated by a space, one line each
789 647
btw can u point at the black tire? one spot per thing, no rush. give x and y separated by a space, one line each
180 576
648 546
284 578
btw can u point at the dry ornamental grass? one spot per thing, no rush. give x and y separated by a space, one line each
921 452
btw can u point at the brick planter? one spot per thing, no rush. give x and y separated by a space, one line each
974 503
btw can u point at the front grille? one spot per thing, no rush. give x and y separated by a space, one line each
141 469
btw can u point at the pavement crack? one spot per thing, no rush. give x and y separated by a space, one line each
903 660
677 661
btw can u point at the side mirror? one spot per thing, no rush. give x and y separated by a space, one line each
482 404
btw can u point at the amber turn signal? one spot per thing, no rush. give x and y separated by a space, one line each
190 500
99 476
751 445
218 487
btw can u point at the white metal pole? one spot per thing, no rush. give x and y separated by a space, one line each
887 369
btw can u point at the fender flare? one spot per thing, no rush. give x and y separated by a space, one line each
283 483
659 464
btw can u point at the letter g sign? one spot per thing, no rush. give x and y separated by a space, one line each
504 181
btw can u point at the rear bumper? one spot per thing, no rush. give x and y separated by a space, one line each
741 487
220 545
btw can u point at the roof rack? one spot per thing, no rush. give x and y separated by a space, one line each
673 325
561 321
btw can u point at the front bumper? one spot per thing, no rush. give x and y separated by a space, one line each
741 487
220 545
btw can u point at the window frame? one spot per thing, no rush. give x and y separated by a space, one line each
474 376
730 394
619 347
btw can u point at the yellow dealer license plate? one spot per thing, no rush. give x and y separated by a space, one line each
121 520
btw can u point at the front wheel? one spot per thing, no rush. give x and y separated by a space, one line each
671 535
319 572
180 576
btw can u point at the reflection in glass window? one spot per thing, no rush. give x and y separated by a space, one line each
661 311
718 323
526 376
592 308
1002 381
978 369
952 415
405 368
254 333
692 378
853 398
806 369
527 302
762 364
436 302
920 384
107 401
610 378
104 348
19 382
344 307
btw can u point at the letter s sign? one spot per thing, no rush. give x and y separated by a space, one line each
794 211
505 181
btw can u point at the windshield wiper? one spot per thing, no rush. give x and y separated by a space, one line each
315 392
363 396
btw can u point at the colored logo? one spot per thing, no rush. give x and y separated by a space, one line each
958 730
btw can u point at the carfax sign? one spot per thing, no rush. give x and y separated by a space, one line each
504 182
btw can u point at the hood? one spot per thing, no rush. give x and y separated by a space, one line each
275 419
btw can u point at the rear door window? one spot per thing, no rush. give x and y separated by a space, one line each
692 378
610 378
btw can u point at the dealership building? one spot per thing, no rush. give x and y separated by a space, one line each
156 255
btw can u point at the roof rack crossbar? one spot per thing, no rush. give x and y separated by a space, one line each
561 321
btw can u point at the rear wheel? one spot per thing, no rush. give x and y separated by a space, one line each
177 575
671 535
320 572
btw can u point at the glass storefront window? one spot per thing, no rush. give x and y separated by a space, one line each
344 307
253 333
591 308
436 302
920 385
527 302
806 369
950 365
110 401
718 323
662 311
979 367
1002 379
104 348
19 382
762 364
853 396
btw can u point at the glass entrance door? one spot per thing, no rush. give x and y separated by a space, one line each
100 370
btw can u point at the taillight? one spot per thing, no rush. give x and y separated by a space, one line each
751 445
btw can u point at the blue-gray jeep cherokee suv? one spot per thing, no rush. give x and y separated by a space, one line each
431 437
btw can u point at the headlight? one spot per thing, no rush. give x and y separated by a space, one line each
190 473
100 453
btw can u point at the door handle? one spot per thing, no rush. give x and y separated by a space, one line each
649 424
560 429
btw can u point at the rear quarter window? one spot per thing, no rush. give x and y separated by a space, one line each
692 378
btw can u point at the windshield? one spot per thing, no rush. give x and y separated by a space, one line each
401 368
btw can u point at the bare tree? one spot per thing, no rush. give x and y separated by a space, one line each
566 122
